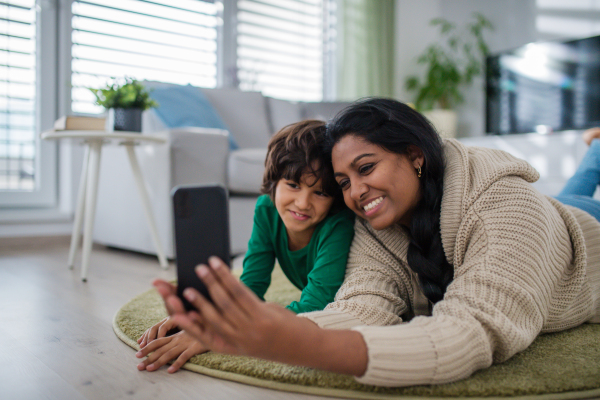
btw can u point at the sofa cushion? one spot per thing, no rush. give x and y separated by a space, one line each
283 112
181 106
244 113
245 170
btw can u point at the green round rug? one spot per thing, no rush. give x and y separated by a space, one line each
563 365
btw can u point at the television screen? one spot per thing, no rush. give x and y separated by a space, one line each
541 87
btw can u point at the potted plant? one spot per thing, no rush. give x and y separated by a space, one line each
125 103
450 65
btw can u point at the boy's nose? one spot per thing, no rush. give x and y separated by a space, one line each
302 202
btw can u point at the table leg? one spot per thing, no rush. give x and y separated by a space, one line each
78 223
139 180
90 204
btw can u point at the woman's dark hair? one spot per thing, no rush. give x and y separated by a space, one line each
394 126
297 149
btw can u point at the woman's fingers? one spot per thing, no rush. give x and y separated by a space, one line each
210 315
226 306
238 291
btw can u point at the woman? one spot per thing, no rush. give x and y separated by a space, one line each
457 263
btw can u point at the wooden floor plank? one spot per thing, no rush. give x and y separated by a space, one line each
59 331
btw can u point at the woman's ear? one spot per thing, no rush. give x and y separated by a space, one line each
415 156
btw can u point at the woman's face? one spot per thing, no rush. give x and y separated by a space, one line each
379 186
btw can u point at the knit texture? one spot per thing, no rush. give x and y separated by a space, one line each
520 269
556 366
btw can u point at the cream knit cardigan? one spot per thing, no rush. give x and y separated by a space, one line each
524 264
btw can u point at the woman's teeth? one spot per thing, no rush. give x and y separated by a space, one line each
373 204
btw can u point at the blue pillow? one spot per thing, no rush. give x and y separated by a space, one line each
181 106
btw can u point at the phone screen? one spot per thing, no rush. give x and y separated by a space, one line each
201 230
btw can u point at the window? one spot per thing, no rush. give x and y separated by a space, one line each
17 95
284 47
27 165
171 41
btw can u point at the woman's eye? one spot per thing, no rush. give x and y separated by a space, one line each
344 183
365 168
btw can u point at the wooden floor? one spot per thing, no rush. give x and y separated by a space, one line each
56 337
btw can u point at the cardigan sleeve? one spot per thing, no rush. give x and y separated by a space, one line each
505 276
375 288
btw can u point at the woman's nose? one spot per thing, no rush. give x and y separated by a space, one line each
358 190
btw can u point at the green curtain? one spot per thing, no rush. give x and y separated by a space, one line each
366 55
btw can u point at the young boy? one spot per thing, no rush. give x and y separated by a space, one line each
301 221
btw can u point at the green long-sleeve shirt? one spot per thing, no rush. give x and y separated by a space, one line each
317 270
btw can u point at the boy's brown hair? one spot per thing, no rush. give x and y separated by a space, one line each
294 150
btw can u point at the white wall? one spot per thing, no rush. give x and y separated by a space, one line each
514 22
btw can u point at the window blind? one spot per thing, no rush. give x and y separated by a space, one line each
282 47
171 41
17 95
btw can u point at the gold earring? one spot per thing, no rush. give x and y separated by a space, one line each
419 172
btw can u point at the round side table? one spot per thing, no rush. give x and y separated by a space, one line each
88 186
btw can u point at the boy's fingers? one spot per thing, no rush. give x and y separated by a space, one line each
164 329
153 346
182 359
162 359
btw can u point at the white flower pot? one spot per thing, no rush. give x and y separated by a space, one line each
445 121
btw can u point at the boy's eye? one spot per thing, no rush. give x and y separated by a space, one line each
320 193
365 168
293 185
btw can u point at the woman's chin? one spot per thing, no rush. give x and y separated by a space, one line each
379 222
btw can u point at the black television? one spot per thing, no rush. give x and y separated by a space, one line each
545 86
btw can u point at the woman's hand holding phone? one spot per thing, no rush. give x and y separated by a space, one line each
237 322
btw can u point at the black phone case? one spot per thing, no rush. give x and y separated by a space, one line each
201 226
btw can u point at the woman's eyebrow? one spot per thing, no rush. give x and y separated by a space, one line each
358 158
353 163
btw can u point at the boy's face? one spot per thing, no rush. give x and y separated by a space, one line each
301 206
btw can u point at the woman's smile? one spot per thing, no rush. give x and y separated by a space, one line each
372 206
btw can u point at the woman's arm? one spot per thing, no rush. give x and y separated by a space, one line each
239 323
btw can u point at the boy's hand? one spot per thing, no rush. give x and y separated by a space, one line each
159 330
179 346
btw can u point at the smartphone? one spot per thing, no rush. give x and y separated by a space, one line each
201 229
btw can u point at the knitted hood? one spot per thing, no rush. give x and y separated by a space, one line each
469 171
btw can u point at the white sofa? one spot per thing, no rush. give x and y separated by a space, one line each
195 156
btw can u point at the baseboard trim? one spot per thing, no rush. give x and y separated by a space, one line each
22 241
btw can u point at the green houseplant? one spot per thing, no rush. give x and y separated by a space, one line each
450 64
125 103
